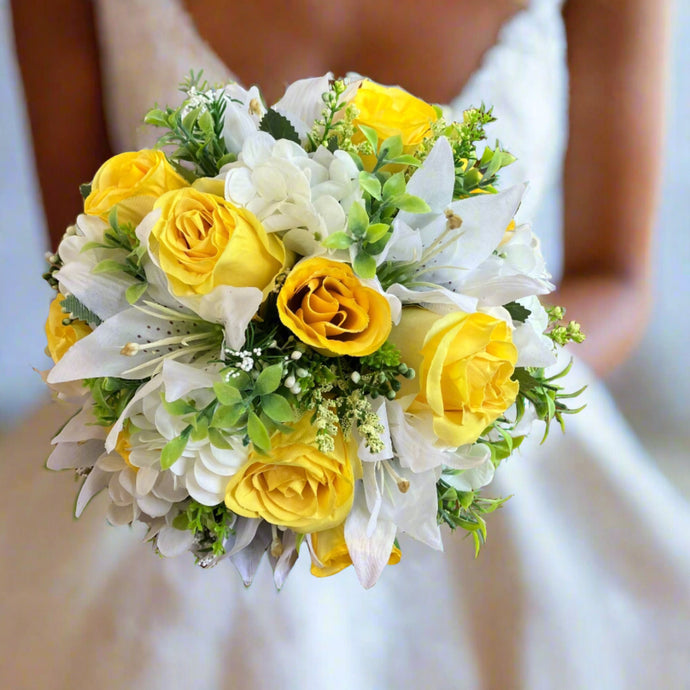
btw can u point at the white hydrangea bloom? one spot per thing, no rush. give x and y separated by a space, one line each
306 196
203 469
139 495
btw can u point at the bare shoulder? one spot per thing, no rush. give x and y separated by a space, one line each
57 49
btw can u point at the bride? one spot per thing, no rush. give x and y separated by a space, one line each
585 580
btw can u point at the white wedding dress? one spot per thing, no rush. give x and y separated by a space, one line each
585 579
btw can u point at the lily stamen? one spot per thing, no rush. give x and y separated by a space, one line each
402 483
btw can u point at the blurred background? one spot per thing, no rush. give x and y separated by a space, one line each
651 388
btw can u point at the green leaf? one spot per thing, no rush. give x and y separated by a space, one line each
364 265
157 118
517 311
371 135
71 305
257 432
217 439
411 204
371 184
108 266
181 522
277 408
394 186
199 429
190 118
177 408
205 122
357 219
85 190
405 159
393 147
374 248
134 292
269 379
173 449
338 240
227 416
241 381
226 393
376 231
278 126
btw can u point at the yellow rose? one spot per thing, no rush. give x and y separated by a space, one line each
60 337
202 241
326 306
295 485
133 180
390 111
330 554
464 364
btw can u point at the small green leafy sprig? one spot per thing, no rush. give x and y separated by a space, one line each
545 395
122 236
110 397
211 526
563 334
195 128
384 195
327 130
472 174
465 509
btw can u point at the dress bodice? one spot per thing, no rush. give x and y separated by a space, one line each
148 46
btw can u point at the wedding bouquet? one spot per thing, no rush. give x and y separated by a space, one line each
316 322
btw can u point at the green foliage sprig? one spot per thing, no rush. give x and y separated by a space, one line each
211 526
465 509
110 397
545 395
195 128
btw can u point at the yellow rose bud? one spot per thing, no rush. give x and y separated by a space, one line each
60 337
464 364
202 241
390 111
326 306
133 180
330 554
295 485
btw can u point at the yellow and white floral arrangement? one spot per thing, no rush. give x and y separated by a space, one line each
316 322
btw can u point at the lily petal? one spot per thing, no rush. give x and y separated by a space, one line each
369 553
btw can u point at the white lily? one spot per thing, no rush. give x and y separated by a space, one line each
369 550
102 293
302 103
456 237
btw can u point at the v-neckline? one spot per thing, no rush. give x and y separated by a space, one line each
484 61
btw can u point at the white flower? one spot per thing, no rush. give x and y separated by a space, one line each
461 244
534 348
102 293
243 112
305 196
203 469
302 102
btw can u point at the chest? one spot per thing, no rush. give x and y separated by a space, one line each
429 49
